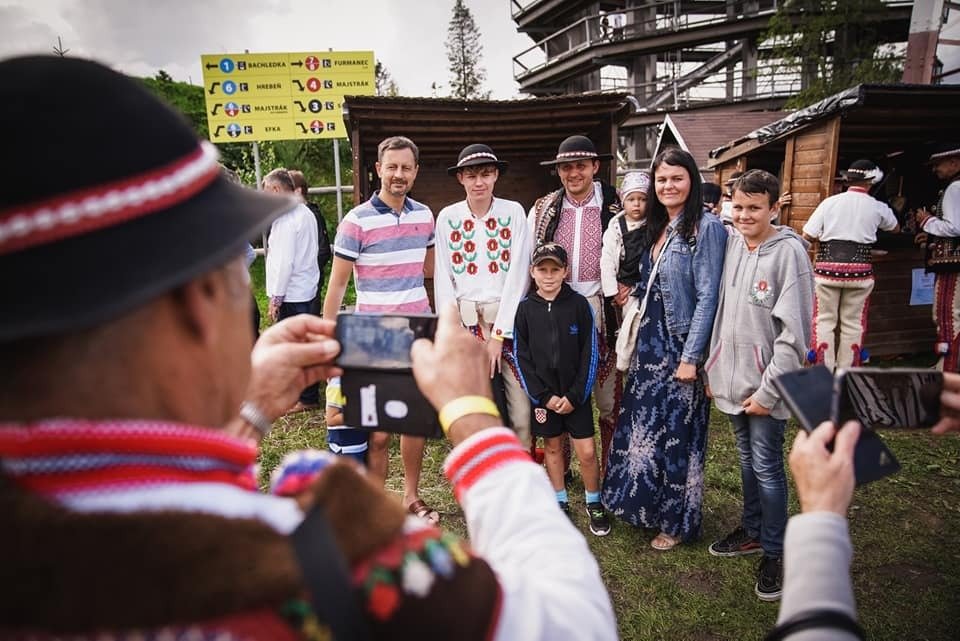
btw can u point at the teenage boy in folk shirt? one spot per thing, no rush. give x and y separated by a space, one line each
481 265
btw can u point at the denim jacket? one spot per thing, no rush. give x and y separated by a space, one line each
690 284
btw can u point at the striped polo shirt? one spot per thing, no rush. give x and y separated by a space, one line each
387 249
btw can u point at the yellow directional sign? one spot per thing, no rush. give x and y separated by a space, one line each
282 96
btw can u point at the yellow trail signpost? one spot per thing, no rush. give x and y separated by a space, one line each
282 96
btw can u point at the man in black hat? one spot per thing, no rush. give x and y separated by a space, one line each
846 227
942 226
125 344
575 217
482 255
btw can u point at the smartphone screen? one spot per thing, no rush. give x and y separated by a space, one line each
888 398
382 342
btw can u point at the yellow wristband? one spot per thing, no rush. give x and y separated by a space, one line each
460 407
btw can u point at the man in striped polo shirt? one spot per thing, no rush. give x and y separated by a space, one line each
387 244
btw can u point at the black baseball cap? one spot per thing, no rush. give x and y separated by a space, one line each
549 251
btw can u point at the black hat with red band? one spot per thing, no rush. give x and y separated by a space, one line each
113 201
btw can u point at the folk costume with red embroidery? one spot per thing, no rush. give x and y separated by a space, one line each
846 227
942 227
481 260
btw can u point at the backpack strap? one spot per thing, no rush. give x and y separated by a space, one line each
326 576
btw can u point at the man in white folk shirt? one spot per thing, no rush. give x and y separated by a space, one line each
482 260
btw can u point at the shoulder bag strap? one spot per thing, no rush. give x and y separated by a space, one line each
326 576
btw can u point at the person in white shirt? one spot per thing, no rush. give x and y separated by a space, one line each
846 227
942 226
292 273
481 264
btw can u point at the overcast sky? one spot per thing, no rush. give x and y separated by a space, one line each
140 37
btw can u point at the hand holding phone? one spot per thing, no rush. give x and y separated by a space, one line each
822 462
377 381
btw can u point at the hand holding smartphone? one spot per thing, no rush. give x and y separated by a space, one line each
377 382
809 393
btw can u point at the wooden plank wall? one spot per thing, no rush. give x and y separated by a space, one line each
809 166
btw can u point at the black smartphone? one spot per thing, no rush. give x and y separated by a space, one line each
377 383
896 398
809 395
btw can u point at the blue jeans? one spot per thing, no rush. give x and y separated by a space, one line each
311 394
760 446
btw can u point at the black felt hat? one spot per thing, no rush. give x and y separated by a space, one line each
477 154
576 148
944 150
862 170
112 202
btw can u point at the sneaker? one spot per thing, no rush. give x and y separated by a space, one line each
737 543
599 521
769 578
565 508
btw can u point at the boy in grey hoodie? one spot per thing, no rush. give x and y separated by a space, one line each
762 329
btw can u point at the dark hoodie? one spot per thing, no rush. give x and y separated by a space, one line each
555 345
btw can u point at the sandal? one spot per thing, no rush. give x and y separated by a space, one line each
664 542
419 508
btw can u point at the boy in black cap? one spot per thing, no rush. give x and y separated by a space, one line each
556 346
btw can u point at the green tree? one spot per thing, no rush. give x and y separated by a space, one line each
313 157
464 52
833 45
384 82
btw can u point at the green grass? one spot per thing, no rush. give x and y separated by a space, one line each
905 531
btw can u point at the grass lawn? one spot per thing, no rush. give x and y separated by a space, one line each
905 529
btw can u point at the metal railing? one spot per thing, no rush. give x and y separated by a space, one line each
517 7
771 80
657 18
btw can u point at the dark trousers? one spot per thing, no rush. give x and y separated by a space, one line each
311 394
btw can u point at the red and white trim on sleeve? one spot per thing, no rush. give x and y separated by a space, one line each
480 454
108 204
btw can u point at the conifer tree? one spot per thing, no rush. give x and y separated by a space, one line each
464 53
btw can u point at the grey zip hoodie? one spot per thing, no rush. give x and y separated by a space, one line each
764 320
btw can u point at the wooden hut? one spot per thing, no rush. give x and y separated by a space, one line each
521 132
891 125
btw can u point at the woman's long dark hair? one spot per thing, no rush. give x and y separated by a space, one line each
656 216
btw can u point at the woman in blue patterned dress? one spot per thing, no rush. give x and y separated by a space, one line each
654 474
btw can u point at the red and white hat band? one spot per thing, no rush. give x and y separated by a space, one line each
109 204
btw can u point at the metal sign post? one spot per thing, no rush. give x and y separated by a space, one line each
336 171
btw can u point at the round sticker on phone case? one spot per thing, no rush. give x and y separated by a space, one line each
396 409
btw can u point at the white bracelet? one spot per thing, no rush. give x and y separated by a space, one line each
255 417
